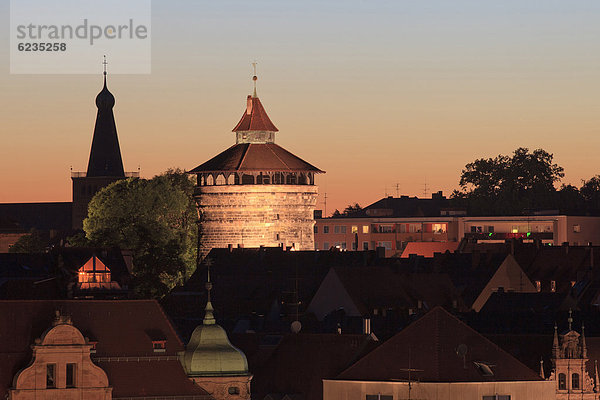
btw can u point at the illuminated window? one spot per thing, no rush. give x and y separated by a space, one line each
386 229
326 229
515 229
50 376
553 286
562 382
576 228
538 286
365 228
354 229
70 376
438 228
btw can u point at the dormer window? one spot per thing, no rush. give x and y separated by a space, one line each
159 346
93 348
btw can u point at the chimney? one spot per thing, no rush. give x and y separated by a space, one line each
249 105
566 246
230 247
367 326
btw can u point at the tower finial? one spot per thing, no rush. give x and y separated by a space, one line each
542 375
104 64
209 318
254 77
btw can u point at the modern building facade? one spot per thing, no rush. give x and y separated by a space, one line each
256 193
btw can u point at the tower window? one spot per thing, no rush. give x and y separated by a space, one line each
562 382
50 376
233 390
575 381
159 346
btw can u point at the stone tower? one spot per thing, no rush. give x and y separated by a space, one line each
256 193
569 358
105 165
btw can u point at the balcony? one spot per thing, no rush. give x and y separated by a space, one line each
83 174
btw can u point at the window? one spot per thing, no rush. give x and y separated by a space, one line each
325 245
553 286
491 229
93 348
354 246
387 245
386 229
575 381
354 229
379 397
159 346
365 245
316 229
438 228
473 229
71 375
50 376
497 397
576 228
538 286
233 390
562 382
326 229
365 228
339 229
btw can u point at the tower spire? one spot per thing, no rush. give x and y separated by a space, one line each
570 319
209 318
542 368
254 79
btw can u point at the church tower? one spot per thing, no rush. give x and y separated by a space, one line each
256 193
569 358
105 165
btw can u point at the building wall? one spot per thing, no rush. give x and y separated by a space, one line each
358 390
256 215
390 233
225 387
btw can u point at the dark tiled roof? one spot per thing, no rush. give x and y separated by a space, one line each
405 206
254 118
121 329
301 361
432 343
41 216
256 157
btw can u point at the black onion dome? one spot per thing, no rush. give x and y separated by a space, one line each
105 98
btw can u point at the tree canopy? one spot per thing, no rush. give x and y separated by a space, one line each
157 220
510 184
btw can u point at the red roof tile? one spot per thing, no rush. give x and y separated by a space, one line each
256 157
432 344
255 118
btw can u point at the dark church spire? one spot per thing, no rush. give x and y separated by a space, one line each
105 156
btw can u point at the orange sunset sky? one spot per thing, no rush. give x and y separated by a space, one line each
375 93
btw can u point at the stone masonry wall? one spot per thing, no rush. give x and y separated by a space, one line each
256 215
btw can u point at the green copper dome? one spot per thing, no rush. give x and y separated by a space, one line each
209 352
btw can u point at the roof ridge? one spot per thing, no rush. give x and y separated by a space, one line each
279 158
244 156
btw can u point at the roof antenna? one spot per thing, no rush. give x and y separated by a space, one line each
254 78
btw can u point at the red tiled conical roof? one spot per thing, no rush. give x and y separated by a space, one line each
255 118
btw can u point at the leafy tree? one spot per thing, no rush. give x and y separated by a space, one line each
509 184
156 219
352 209
590 191
33 242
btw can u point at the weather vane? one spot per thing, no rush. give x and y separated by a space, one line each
104 63
254 78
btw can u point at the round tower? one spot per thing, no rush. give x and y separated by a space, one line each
256 193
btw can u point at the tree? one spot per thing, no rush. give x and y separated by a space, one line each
590 191
157 220
33 242
509 184
352 209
